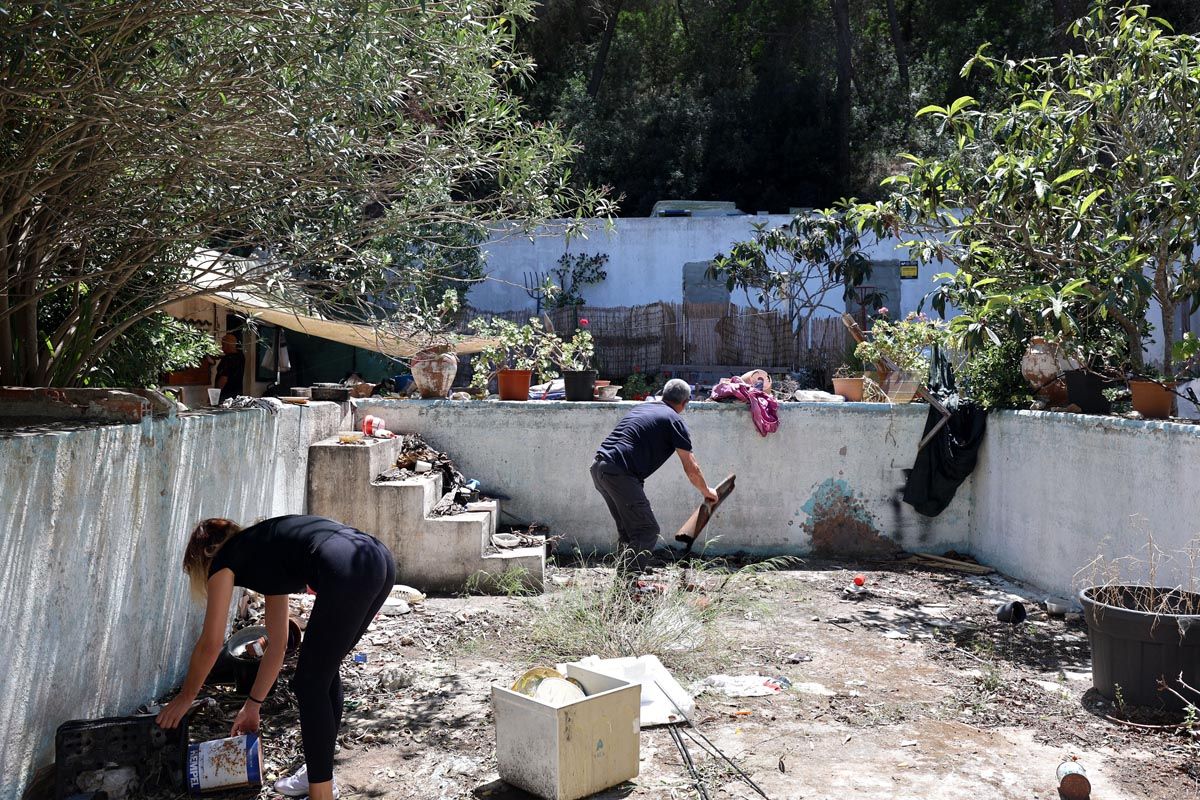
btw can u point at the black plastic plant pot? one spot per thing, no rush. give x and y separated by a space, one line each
580 386
1142 636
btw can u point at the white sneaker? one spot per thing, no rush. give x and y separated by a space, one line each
297 785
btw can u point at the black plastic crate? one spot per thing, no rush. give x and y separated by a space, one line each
158 755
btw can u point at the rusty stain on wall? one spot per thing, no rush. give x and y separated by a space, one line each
840 525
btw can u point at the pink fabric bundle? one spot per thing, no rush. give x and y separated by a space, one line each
764 408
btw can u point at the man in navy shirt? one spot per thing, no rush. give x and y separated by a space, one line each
641 443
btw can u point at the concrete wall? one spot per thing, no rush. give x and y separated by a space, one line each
1054 491
646 257
831 474
1051 491
94 614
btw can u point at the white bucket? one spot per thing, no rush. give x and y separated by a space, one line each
224 764
214 397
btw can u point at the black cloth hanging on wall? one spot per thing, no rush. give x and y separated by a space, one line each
950 456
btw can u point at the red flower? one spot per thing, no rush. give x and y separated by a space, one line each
583 322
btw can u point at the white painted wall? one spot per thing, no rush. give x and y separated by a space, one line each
1050 493
1054 491
645 259
540 453
94 613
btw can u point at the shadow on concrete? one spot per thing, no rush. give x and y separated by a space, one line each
499 790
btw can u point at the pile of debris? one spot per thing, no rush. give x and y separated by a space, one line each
418 458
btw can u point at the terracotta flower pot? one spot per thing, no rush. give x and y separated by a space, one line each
579 385
1152 400
433 371
849 388
1042 365
513 384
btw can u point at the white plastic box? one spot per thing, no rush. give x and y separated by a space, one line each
571 751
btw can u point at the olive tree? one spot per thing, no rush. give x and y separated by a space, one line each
1070 201
135 133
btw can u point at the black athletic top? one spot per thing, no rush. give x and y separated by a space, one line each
276 555
644 440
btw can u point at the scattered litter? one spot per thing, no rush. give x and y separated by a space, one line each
360 658
1058 607
859 580
956 564
116 782
797 658
1013 613
460 396
408 594
909 743
506 540
1073 783
394 607
818 689
664 701
743 685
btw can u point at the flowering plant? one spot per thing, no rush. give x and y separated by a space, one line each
575 354
905 343
528 346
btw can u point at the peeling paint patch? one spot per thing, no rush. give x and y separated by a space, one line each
840 524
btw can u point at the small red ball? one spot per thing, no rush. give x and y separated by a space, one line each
859 580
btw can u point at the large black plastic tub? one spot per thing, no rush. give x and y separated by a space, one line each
1135 650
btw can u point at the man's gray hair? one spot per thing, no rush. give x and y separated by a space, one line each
676 392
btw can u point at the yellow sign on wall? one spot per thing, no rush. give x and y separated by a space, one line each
908 270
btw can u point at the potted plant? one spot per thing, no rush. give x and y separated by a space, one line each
519 353
1153 392
848 384
435 365
637 387
904 345
575 358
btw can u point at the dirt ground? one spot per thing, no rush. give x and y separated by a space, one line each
909 690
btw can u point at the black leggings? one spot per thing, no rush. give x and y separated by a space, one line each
355 573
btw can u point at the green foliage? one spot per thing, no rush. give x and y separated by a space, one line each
577 353
574 272
906 343
528 346
149 348
641 385
1076 191
430 259
799 268
992 377
344 144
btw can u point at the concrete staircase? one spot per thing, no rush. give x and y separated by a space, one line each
433 554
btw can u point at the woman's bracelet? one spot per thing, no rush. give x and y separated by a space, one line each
253 698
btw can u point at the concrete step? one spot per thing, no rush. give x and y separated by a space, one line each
434 554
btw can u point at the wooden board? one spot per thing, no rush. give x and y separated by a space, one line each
700 517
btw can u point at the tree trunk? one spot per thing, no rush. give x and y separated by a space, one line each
1167 332
845 72
610 29
901 50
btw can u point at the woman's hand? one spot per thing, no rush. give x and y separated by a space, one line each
247 719
174 712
